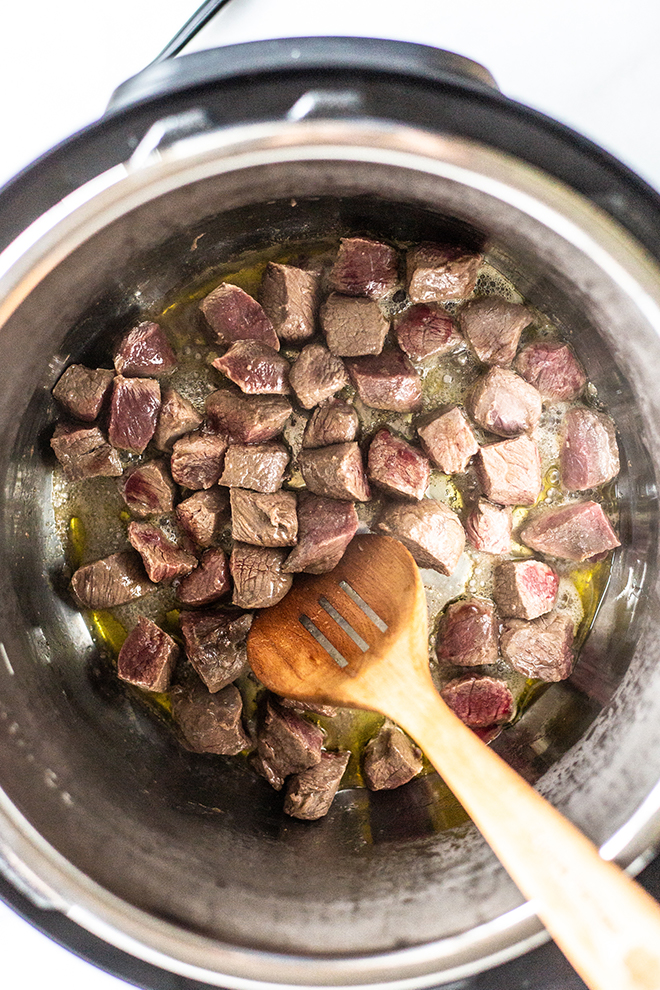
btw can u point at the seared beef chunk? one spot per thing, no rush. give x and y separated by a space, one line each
525 589
325 528
144 350
203 516
388 381
286 743
197 460
448 440
210 723
425 331
82 391
234 315
504 403
310 793
258 466
289 297
147 657
209 581
493 327
390 759
215 642
84 452
316 375
335 471
134 408
353 325
335 421
163 560
542 648
259 578
509 472
437 272
266 520
177 417
489 526
479 701
364 268
256 368
552 368
247 418
589 455
397 467
576 531
311 707
429 529
148 490
467 633
114 580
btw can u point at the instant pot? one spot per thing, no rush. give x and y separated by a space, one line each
174 870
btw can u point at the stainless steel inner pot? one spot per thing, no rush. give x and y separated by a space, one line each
186 861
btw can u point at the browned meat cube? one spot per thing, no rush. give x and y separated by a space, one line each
286 743
388 381
429 529
234 315
177 417
134 408
589 455
114 580
525 589
84 452
364 268
489 526
509 472
437 272
576 531
147 657
258 466
336 471
479 701
148 490
259 578
448 440
390 759
493 327
552 368
197 460
541 648
144 350
311 707
316 375
467 633
210 723
82 391
502 402
289 297
335 421
266 520
215 642
310 793
247 418
256 368
425 331
208 582
353 325
203 516
395 466
162 559
325 528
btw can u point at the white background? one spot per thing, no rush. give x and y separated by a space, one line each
592 64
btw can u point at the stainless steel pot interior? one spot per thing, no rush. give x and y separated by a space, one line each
186 860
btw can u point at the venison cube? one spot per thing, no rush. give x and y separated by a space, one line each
364 268
210 723
387 381
325 528
289 297
286 743
84 452
258 575
479 701
266 520
203 515
541 648
216 644
114 580
503 403
437 272
255 367
448 440
82 391
310 793
576 531
144 351
335 472
258 466
353 325
177 417
395 466
162 559
134 408
424 331
589 455
316 375
428 529
492 327
525 589
509 472
247 418
234 315
147 657
467 633
209 581
336 421
197 460
552 368
390 759
148 490
489 527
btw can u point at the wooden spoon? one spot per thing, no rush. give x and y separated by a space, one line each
606 925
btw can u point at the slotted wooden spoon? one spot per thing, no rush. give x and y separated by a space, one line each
320 644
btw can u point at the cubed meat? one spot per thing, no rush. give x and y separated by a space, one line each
147 657
265 520
436 272
575 531
162 559
552 368
390 759
325 528
541 648
209 723
114 580
388 381
208 582
467 633
589 455
256 368
525 589
258 466
353 325
509 472
429 529
234 315
336 421
82 391
134 408
448 440
144 350
489 526
425 331
286 743
197 460
309 707
310 793
479 701
503 403
336 471
364 268
215 643
84 452
316 375
247 418
289 297
203 516
148 490
177 417
258 575
397 467
492 327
